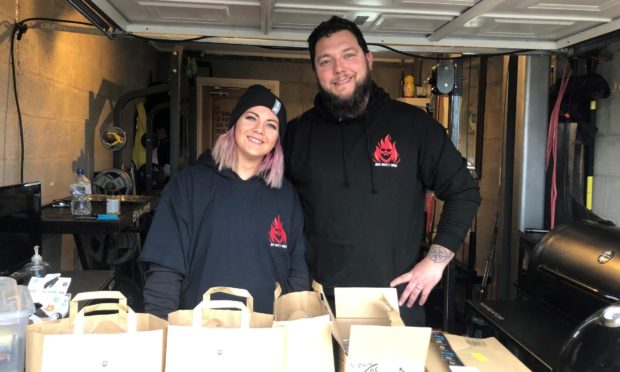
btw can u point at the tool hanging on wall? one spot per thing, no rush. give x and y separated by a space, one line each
138 154
488 265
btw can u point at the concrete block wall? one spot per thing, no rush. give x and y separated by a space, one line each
606 202
68 84
298 85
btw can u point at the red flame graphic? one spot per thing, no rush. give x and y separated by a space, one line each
385 151
276 233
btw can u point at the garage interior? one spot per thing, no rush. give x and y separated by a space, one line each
72 71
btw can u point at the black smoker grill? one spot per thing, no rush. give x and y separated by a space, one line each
564 277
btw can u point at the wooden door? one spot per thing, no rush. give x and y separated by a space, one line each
216 97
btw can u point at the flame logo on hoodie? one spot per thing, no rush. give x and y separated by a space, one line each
386 154
277 235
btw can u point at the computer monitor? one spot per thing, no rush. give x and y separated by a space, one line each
20 220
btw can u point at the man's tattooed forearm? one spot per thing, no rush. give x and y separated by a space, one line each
438 254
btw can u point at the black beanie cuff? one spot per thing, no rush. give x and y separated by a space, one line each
258 95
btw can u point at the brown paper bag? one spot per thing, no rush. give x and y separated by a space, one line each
123 341
308 330
224 335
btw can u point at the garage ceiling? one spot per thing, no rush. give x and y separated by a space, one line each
464 26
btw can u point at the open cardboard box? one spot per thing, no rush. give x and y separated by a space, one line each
371 335
452 353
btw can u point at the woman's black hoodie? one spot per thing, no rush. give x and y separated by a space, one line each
214 229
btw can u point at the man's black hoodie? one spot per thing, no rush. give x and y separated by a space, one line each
362 184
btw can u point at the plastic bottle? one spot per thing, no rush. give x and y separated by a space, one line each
113 205
36 267
81 190
408 86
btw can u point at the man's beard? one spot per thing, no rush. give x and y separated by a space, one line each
348 107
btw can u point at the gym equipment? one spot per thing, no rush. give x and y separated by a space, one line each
113 138
113 181
111 249
157 179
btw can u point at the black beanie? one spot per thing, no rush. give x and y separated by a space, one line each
258 95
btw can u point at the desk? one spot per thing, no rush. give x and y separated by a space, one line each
528 328
88 281
60 220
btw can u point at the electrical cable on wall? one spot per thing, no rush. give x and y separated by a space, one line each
552 142
19 29
420 56
285 48
170 40
462 56
467 112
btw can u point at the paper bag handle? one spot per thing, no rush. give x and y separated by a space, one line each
106 306
96 295
123 311
278 291
220 304
249 300
318 288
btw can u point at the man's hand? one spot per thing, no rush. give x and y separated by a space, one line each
424 276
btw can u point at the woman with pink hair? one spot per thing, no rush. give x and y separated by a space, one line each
231 220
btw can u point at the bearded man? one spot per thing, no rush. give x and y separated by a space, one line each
363 199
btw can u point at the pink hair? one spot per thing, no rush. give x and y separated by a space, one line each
271 168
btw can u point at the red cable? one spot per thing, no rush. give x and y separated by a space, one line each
429 208
552 141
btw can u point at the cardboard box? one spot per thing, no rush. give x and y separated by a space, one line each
371 335
451 353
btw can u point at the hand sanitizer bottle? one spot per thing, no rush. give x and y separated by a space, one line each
36 267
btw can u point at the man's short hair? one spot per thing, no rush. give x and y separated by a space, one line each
332 25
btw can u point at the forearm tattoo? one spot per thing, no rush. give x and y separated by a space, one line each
438 254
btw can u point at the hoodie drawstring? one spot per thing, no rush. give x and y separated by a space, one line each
373 189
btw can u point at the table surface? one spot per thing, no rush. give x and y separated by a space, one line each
59 220
89 280
532 326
